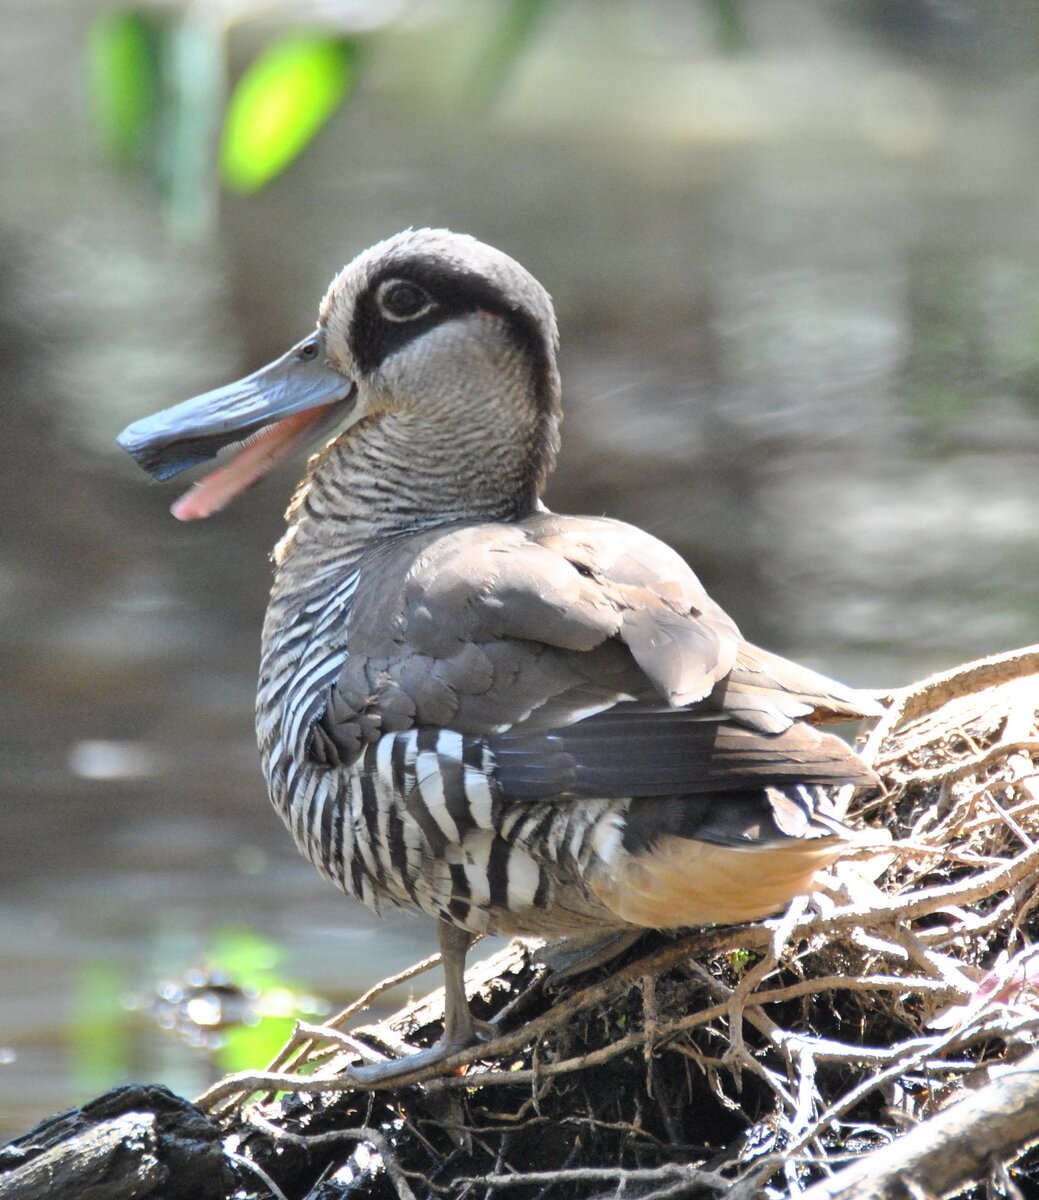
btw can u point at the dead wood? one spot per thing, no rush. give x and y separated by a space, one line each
129 1144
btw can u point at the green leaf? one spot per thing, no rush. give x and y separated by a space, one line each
123 81
247 957
285 96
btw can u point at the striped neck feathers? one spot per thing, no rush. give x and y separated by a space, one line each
479 448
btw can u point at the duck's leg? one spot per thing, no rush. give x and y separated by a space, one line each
460 1029
459 1026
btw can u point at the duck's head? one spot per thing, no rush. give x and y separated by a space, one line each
399 329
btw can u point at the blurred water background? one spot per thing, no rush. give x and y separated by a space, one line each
795 254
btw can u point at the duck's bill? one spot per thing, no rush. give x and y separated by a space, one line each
269 413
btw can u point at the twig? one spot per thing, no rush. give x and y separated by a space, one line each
677 1172
336 1037
376 990
634 1040
361 1133
907 906
950 772
875 941
258 1171
852 1097
301 1043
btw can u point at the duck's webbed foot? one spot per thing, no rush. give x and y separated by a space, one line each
460 1029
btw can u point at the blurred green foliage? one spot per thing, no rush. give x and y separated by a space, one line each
123 82
513 33
251 962
730 26
99 1037
244 956
250 1010
162 107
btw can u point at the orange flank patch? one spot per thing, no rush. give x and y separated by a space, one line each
682 882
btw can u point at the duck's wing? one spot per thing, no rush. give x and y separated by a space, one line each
585 655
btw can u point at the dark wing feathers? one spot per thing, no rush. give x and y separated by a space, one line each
630 752
589 657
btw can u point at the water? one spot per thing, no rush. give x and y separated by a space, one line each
799 295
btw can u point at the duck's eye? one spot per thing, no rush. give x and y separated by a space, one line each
403 301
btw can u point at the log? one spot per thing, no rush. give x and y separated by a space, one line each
129 1144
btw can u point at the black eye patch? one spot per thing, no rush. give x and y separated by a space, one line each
409 297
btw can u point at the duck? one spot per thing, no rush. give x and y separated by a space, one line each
516 721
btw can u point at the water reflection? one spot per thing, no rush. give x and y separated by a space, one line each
800 308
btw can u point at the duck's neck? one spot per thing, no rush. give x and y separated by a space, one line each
400 471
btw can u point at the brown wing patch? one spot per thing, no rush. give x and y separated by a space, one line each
679 637
771 690
478 626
